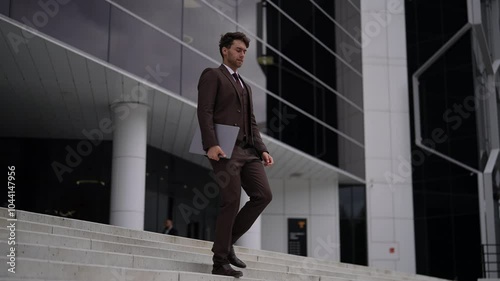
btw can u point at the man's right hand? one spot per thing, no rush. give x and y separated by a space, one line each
215 152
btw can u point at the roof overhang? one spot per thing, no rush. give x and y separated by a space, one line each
52 90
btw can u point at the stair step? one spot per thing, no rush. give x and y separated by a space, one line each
50 221
65 243
77 256
32 269
49 252
174 260
54 238
69 237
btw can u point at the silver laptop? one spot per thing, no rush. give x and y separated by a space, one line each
226 136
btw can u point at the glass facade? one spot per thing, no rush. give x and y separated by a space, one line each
446 202
315 80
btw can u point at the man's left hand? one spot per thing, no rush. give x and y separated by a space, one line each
268 159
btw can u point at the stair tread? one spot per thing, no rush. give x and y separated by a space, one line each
149 247
51 251
44 251
79 271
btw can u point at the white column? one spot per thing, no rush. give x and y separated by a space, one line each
391 237
252 238
128 178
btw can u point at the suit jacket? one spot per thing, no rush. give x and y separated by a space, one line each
219 101
172 231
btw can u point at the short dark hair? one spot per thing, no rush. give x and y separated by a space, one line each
227 39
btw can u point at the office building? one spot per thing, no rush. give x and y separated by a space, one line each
381 116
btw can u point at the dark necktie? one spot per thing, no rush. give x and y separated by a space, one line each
235 75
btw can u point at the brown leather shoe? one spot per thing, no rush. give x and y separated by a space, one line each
234 260
226 270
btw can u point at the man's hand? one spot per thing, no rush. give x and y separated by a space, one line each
268 160
215 152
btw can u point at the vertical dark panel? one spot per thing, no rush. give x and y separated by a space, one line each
80 23
447 231
353 231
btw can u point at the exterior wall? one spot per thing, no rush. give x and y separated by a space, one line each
391 238
313 200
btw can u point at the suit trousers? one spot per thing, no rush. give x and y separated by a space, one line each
246 170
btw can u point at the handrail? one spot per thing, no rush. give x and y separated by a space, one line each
490 266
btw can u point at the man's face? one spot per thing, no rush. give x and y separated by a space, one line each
235 55
168 223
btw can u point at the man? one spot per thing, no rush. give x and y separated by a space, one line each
169 228
224 98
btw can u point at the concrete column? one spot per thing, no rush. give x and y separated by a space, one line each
251 239
391 237
128 179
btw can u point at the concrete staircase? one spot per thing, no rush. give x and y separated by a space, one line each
55 248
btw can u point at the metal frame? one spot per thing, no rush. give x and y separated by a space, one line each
416 98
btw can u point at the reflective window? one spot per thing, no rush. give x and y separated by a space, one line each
4 7
144 51
79 23
205 40
353 235
166 15
317 80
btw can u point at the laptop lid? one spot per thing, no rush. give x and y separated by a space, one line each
226 136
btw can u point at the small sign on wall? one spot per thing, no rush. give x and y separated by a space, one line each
297 237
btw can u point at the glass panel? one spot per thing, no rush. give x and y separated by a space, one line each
80 23
167 15
448 104
4 7
292 84
252 70
144 51
295 129
353 236
202 28
348 35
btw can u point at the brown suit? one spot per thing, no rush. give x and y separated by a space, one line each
220 100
